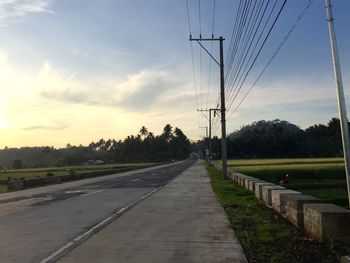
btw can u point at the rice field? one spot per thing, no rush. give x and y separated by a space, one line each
321 177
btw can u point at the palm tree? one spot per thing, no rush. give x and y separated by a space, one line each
143 132
167 132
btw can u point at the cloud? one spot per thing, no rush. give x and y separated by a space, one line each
77 52
138 92
147 89
58 126
14 10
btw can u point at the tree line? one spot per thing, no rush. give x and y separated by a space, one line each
172 144
280 139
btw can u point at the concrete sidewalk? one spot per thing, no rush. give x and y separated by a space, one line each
183 222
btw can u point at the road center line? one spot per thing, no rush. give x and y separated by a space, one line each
136 180
53 255
98 191
81 238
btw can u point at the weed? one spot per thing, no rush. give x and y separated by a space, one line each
49 174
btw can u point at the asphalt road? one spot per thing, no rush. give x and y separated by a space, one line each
40 221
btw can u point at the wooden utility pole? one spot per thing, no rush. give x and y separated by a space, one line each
222 95
210 129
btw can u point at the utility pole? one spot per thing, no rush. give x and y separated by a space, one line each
210 128
206 140
340 94
223 110
222 95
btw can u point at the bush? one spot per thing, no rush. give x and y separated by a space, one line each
71 172
50 174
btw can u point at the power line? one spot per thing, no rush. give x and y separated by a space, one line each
247 45
245 30
236 21
257 55
192 56
199 17
301 15
252 53
211 51
212 28
200 55
188 18
238 28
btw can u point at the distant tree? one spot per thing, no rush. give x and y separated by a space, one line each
180 146
167 132
143 132
144 147
17 164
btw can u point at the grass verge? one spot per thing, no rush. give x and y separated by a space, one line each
264 235
275 172
42 172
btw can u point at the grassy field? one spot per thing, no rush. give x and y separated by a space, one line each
264 235
320 177
256 162
42 172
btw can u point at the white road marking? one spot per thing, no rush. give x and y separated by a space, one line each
93 228
78 240
53 255
136 180
73 191
98 191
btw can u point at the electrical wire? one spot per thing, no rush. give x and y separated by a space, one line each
257 55
299 18
211 51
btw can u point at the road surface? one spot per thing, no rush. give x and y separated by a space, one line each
37 222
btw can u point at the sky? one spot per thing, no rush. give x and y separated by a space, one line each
76 71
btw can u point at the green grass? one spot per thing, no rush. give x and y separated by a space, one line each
41 172
3 189
275 172
324 173
256 162
307 168
79 167
264 235
335 196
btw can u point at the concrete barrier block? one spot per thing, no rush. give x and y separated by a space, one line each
258 189
345 259
266 193
240 179
323 220
278 199
246 182
234 174
294 207
251 186
243 179
235 177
